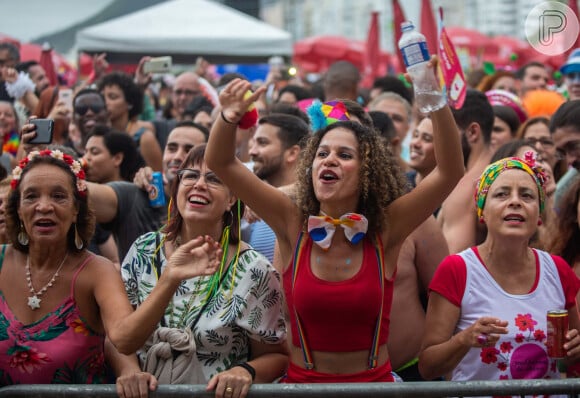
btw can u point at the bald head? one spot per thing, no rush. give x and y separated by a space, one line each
186 87
341 81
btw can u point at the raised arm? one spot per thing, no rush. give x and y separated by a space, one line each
269 203
410 210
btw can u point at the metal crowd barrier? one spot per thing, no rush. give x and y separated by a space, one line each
569 387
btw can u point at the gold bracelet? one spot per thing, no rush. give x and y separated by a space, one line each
226 120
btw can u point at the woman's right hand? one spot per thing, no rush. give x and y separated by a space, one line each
198 257
136 385
485 332
234 100
60 111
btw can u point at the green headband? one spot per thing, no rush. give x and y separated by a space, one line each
490 174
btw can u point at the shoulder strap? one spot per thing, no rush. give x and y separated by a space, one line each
138 134
78 271
2 254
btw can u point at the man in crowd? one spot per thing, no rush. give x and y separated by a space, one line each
571 72
532 76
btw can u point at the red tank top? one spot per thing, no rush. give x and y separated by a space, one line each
338 316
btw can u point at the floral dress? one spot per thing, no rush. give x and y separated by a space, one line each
246 305
60 348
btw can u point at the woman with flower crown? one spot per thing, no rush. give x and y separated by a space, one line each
487 312
57 300
340 242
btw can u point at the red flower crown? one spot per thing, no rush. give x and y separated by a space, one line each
73 164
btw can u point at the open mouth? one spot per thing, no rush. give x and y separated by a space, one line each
514 217
328 176
198 200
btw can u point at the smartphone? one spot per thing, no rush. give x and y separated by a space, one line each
65 95
158 65
44 128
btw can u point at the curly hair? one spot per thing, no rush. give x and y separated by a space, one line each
133 94
175 220
565 236
85 224
381 180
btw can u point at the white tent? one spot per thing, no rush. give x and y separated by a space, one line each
185 29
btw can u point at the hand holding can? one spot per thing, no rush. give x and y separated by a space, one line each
557 325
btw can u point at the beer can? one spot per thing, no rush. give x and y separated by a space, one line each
557 325
156 192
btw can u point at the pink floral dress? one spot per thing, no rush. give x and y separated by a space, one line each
58 349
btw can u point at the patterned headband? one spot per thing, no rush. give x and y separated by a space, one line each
324 114
73 164
490 174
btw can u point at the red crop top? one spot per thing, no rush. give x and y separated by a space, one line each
338 316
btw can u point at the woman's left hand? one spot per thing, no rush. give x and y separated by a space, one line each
136 385
572 345
198 257
233 383
235 102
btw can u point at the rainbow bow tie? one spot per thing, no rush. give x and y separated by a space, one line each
321 228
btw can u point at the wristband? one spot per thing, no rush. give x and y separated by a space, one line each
226 120
246 365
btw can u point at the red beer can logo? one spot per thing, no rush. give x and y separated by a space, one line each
557 325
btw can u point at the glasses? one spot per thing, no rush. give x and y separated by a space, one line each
82 110
188 93
546 142
190 177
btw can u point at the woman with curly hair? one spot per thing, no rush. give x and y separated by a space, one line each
338 281
124 101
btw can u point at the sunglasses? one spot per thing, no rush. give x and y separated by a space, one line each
82 110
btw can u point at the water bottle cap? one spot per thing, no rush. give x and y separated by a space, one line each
407 25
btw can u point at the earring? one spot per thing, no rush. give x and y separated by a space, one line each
78 241
22 235
539 221
481 220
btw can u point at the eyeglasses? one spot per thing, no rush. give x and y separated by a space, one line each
188 93
546 142
190 177
81 110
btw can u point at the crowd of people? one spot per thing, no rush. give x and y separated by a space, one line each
310 233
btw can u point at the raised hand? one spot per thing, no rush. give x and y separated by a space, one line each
235 101
198 257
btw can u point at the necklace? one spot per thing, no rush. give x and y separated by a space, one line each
34 300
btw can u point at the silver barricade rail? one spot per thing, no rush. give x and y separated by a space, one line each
570 387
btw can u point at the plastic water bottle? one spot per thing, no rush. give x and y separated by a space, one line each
413 47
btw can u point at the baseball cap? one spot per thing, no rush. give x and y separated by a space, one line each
572 64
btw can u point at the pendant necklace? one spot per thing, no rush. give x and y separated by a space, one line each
34 300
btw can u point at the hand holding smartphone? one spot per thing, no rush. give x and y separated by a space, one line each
44 129
65 95
158 65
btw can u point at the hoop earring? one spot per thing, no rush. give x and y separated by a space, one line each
22 235
78 241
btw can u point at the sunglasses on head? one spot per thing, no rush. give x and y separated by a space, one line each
83 109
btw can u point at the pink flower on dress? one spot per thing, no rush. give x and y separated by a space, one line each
78 326
520 338
502 366
506 347
489 355
28 359
525 322
539 335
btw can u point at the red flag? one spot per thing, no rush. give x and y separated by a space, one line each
398 19
429 26
573 4
372 51
48 64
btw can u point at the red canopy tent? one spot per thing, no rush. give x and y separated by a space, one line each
316 54
477 46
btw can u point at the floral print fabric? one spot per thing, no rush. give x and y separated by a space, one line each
248 304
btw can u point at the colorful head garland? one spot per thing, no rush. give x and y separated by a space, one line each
490 174
73 164
327 113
